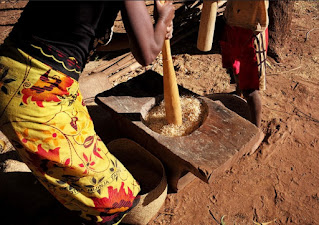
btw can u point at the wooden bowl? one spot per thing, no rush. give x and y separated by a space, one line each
149 172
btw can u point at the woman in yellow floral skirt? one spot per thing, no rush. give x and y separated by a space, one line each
41 108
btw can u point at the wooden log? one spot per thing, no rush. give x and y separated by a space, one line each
207 25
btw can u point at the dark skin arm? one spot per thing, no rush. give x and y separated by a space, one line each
119 42
146 40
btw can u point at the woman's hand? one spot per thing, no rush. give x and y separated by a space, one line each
169 31
164 12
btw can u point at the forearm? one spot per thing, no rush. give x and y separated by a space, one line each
159 35
119 42
145 51
146 40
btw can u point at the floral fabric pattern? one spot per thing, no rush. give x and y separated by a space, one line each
45 118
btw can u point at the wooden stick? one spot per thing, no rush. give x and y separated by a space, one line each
109 63
207 25
171 94
118 65
124 71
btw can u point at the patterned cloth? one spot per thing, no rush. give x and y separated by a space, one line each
43 115
245 53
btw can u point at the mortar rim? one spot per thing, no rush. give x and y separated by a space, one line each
159 98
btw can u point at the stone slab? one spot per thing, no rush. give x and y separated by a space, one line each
223 137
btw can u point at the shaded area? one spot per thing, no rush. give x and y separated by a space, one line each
148 84
232 102
27 202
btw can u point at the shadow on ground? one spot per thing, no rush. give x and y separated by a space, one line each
24 201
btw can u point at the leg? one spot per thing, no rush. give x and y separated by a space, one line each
251 71
43 115
252 95
254 104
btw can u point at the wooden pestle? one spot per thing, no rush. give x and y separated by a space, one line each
207 25
171 95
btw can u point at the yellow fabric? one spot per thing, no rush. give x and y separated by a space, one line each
249 14
42 113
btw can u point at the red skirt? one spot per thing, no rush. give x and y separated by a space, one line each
245 53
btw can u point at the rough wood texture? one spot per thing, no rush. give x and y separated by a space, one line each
207 25
280 17
223 137
171 95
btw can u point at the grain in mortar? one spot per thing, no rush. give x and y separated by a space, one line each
193 112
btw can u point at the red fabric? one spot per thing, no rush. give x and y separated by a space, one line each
239 54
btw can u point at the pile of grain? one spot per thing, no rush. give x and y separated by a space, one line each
193 112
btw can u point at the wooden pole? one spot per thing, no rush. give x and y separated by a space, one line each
171 95
119 64
207 25
124 71
109 63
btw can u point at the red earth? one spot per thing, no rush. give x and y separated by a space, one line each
278 183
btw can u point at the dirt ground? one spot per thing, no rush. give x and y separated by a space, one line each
279 182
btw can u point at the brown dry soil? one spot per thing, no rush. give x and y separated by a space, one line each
278 183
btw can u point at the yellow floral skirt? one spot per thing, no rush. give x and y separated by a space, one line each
43 115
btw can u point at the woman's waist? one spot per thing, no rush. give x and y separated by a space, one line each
52 56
